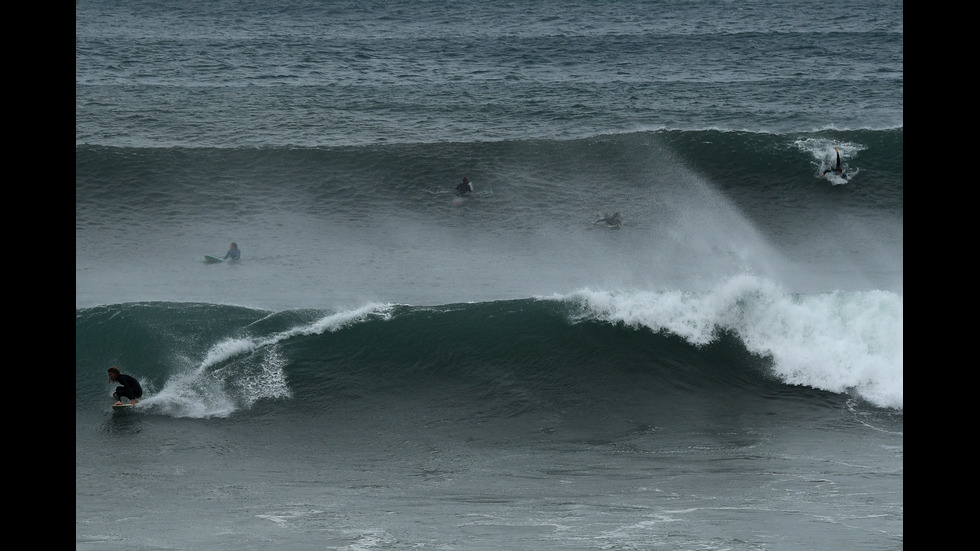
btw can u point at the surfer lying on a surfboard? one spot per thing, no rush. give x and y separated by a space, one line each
130 386
836 169
613 221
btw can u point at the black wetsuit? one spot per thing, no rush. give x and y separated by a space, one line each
130 388
463 188
613 221
836 169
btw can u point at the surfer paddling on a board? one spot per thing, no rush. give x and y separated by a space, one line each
233 252
130 387
836 169
613 221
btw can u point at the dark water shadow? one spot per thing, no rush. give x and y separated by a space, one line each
123 422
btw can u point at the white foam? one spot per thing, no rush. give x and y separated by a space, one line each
837 341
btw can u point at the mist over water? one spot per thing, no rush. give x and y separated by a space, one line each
392 233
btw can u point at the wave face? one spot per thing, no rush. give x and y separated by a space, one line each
594 351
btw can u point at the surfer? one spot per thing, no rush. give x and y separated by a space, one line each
836 169
233 252
130 386
613 221
465 187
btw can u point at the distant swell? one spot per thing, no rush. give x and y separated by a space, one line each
530 178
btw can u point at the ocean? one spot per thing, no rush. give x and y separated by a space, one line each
393 366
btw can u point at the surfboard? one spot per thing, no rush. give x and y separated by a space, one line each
121 406
212 259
